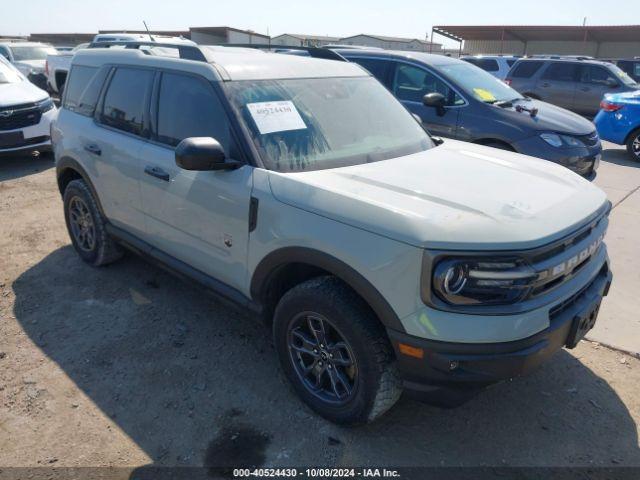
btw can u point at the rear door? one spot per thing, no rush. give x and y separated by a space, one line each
412 82
200 218
557 84
115 145
594 83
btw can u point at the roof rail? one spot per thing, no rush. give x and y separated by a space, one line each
186 52
315 52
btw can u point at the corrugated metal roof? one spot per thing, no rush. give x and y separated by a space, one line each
526 33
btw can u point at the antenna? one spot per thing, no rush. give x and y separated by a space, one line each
148 32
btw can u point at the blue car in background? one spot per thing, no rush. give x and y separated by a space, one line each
618 120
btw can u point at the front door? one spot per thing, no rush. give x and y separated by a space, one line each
200 218
595 81
411 83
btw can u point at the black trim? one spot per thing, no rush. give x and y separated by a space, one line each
269 266
64 165
253 213
462 369
178 267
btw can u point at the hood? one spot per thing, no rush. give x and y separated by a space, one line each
632 98
550 118
19 93
458 195
27 66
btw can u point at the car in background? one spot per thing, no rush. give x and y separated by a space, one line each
575 83
29 58
618 121
456 99
57 68
64 49
496 65
26 113
631 66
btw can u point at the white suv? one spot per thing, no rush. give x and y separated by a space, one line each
496 65
26 113
302 190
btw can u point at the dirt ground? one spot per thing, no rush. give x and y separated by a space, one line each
129 366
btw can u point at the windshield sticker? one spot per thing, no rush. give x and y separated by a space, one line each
273 117
484 95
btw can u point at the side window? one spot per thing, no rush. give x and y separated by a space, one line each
83 89
4 51
124 102
412 83
380 69
526 69
596 75
188 107
488 64
562 72
510 62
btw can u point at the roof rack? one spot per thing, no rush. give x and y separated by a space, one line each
315 52
561 57
186 52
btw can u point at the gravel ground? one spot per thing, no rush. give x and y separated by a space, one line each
129 366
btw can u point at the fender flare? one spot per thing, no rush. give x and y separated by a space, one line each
67 163
270 264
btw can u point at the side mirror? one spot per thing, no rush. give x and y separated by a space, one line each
611 83
203 153
435 100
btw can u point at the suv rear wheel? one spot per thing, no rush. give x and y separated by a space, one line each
335 352
633 145
86 226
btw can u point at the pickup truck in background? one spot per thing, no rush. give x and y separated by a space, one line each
56 68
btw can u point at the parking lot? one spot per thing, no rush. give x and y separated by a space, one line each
129 366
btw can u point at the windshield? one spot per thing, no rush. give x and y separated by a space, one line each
622 75
482 85
8 73
32 53
313 124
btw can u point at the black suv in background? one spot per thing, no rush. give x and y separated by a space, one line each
572 83
456 99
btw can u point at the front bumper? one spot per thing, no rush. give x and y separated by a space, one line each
451 373
582 160
34 138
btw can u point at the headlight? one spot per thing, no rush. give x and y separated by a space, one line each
557 140
482 281
46 105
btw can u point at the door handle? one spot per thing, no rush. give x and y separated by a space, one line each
157 172
93 148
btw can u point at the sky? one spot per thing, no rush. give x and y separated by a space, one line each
403 18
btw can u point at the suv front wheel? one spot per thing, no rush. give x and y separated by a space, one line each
86 226
335 352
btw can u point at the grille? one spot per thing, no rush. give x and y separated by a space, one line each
19 116
558 263
590 140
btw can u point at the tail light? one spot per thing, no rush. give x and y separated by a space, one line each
507 81
609 106
46 68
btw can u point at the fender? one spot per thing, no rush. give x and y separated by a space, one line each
269 266
67 164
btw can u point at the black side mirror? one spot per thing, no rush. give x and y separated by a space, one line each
435 100
203 153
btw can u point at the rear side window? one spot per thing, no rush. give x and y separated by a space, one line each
381 69
125 99
488 64
83 89
525 69
188 107
511 62
562 72
412 83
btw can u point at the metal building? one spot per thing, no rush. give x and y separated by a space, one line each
613 41
391 43
300 40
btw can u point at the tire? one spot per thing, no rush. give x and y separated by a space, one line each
633 145
352 332
81 213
